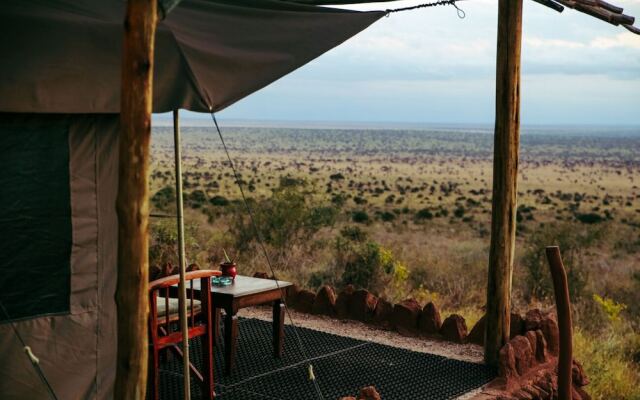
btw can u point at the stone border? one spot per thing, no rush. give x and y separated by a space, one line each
408 317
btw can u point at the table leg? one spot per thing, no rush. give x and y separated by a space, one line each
278 328
230 339
216 325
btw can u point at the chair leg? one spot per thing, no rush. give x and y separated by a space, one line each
208 387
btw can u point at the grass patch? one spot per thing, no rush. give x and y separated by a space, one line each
608 362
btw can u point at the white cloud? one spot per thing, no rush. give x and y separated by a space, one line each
557 43
621 40
624 40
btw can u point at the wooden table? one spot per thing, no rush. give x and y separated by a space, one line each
246 292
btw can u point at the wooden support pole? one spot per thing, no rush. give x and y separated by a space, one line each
563 307
505 174
182 291
133 199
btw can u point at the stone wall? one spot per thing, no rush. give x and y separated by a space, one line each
407 317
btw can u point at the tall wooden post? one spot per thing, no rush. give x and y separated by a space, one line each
563 308
505 174
133 199
181 256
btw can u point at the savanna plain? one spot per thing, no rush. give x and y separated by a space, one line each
406 213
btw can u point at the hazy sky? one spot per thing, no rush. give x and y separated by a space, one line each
430 66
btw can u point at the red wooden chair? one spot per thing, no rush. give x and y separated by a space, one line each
164 315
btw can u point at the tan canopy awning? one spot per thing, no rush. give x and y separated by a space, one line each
65 56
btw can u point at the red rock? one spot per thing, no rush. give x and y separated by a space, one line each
522 394
549 328
523 354
541 347
169 269
430 321
362 305
305 300
405 317
325 302
579 393
548 383
369 393
476 336
383 314
578 377
533 343
193 267
543 393
454 329
516 326
533 320
261 275
532 390
343 302
507 362
292 296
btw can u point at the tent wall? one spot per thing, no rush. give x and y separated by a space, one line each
76 347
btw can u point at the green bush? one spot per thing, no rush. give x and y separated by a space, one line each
164 197
196 199
353 233
590 218
288 217
163 243
360 217
423 214
365 263
387 216
219 201
573 243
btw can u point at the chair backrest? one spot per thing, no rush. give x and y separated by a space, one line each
166 287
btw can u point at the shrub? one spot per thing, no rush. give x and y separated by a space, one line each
219 201
423 214
359 200
387 216
366 264
164 197
458 212
573 243
360 217
353 233
196 199
289 181
288 217
589 218
163 246
610 307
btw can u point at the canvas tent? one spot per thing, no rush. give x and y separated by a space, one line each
59 104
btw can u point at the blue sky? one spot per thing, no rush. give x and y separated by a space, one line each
430 66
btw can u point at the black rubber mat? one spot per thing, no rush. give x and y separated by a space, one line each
342 365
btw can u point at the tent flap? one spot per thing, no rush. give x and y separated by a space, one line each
64 57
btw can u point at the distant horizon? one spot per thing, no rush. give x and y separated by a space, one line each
204 119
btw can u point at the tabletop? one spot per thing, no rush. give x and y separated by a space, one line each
245 285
